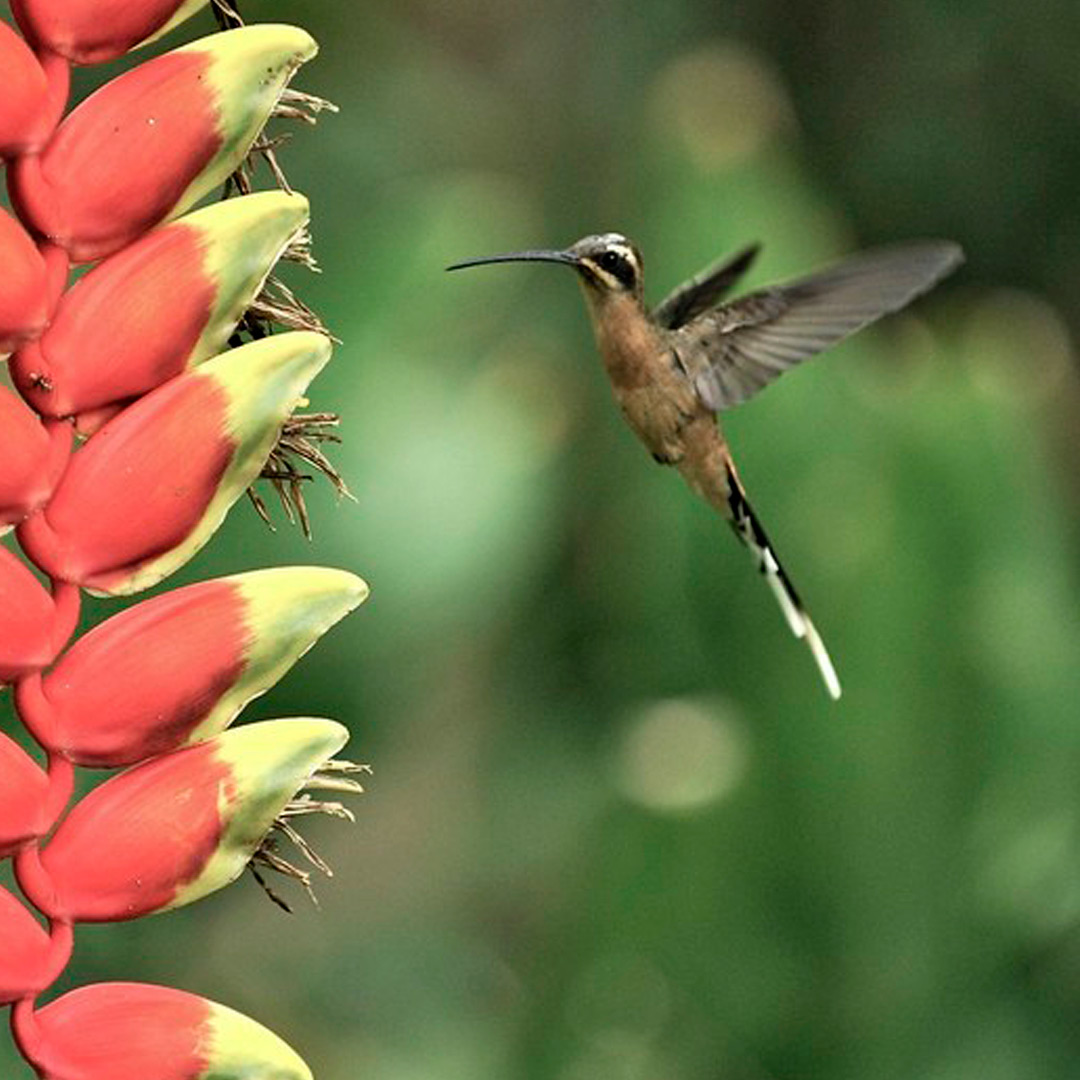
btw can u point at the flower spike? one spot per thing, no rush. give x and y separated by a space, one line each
151 487
150 144
163 304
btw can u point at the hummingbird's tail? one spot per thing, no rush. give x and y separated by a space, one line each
750 532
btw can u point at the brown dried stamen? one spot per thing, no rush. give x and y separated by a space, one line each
299 439
333 776
226 14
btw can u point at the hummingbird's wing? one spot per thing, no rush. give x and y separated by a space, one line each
735 350
703 291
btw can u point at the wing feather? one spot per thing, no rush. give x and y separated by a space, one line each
748 343
704 290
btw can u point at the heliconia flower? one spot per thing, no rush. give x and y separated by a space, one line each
149 489
33 458
23 289
93 31
29 635
179 667
151 143
173 829
30 959
23 112
24 814
166 302
137 1031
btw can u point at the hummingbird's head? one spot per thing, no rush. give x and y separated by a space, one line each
608 264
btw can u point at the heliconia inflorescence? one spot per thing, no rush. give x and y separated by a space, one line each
151 394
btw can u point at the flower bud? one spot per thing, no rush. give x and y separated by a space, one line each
166 302
23 804
137 1031
177 827
23 104
27 621
151 487
93 31
151 143
179 667
23 288
25 959
33 458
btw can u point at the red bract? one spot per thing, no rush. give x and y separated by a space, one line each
26 959
93 31
164 303
134 1031
24 812
155 140
32 457
139 683
179 826
23 291
181 666
27 621
23 104
149 489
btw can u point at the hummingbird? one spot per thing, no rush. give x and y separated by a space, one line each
675 368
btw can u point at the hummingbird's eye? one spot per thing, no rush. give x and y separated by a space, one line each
616 264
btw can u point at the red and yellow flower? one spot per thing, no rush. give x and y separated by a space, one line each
144 355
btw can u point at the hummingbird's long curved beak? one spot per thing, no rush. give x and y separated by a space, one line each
520 256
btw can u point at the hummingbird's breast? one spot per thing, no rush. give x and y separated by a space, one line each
651 388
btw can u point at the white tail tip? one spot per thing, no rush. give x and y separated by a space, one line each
821 657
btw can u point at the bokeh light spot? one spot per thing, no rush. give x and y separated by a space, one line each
679 755
1017 347
723 102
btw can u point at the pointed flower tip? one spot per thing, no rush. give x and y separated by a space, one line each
150 488
152 142
272 43
165 303
132 1031
179 667
124 851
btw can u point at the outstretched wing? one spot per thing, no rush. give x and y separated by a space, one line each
734 351
704 290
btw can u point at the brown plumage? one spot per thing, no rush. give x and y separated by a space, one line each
673 370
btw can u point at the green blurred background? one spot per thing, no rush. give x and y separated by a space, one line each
616 830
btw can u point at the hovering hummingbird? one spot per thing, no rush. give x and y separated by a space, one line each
675 368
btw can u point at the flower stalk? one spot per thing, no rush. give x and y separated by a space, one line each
152 393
